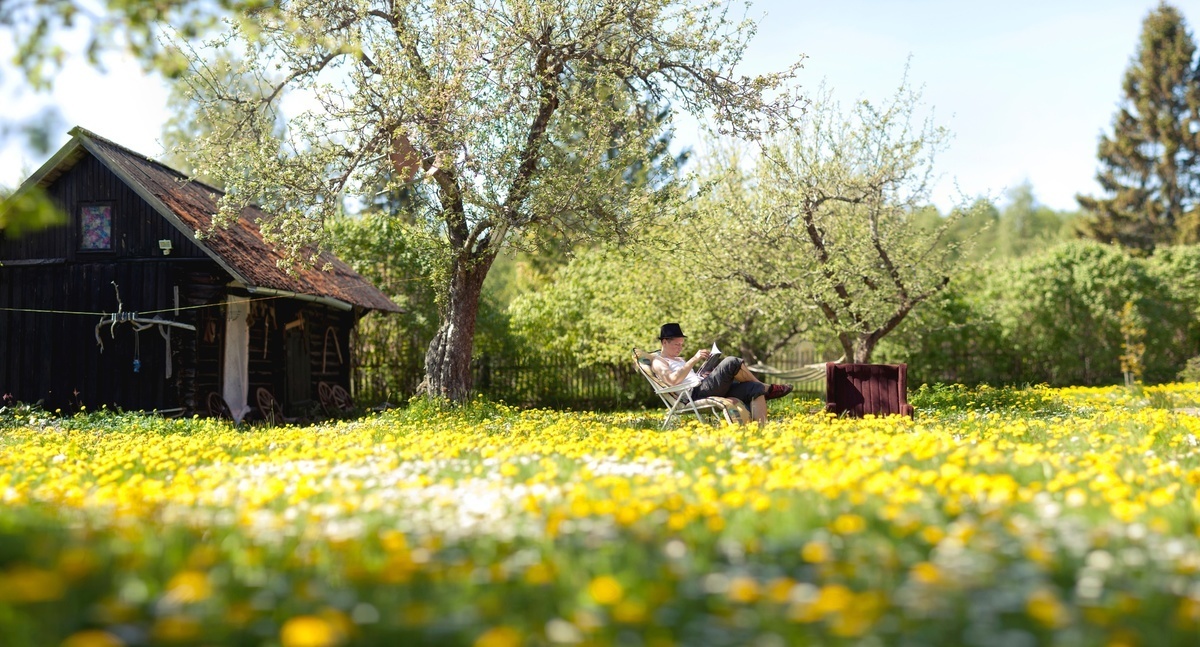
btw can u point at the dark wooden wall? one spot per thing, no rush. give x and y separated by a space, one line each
205 294
137 227
323 329
54 358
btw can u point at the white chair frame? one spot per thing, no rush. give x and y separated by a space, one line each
677 398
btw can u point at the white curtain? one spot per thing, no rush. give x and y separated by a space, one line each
236 376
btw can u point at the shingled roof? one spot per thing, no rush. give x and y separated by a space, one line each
240 249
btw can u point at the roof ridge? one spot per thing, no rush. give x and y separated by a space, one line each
84 132
79 130
240 251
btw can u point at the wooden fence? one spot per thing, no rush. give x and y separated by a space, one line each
539 382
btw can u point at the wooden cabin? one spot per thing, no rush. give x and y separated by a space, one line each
124 305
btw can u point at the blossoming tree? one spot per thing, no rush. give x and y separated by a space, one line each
510 121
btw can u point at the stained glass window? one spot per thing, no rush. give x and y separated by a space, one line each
95 227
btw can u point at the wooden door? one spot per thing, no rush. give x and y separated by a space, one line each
297 396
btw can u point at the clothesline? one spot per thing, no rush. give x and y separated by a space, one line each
90 313
139 324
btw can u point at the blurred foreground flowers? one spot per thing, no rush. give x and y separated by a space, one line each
998 517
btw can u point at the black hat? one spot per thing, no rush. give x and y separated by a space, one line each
670 331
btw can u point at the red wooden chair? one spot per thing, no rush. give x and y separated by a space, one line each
859 389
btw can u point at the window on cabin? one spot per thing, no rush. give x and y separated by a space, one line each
95 227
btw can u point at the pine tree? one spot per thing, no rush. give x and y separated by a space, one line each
1150 166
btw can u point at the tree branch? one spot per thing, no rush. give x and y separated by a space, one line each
548 67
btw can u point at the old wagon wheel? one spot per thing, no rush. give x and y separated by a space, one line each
217 407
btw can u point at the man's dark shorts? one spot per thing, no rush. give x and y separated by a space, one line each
721 383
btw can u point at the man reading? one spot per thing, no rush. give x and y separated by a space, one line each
730 378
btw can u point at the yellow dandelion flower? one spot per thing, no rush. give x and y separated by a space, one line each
539 573
927 573
1161 496
176 629
1046 609
93 638
629 612
933 534
715 523
849 524
188 587
499 637
1122 638
203 557
25 584
833 598
780 589
1188 613
816 552
743 590
857 618
308 631
606 590
76 563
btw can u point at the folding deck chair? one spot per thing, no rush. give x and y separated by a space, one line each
678 401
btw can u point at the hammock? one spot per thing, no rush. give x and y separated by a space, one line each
806 373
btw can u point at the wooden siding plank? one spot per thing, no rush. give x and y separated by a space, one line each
19 388
6 328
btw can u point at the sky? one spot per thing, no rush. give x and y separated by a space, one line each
1026 87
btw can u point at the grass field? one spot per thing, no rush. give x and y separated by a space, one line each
998 517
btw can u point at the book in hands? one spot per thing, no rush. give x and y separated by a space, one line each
714 358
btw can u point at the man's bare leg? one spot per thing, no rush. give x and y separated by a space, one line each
744 375
758 409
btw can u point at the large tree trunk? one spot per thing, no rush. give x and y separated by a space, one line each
448 360
864 345
858 347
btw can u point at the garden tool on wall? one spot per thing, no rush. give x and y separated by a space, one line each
139 324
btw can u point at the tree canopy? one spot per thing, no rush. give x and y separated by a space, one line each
507 120
38 29
835 223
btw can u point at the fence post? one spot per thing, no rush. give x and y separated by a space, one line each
485 373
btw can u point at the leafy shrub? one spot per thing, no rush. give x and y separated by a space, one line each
1191 371
1055 317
